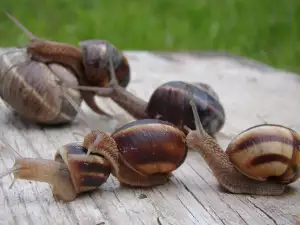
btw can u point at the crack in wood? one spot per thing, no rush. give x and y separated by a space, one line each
265 213
158 221
219 194
198 200
188 210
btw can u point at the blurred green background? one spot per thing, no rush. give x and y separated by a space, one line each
266 30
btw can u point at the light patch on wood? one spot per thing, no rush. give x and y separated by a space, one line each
192 196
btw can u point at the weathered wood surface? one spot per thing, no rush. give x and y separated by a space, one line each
251 94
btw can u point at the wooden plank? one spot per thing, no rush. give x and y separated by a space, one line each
251 95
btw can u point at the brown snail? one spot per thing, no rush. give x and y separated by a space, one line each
261 160
142 153
70 173
31 90
73 66
169 102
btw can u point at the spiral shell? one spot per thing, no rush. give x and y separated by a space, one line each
96 63
30 88
88 172
266 152
170 102
151 146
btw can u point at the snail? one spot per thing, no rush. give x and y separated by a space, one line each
143 153
32 91
168 102
25 87
71 173
171 94
261 160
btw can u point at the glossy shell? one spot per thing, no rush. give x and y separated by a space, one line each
266 152
96 60
151 146
170 102
30 88
87 172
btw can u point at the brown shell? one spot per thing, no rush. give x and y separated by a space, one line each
151 146
266 152
30 88
170 102
96 63
87 172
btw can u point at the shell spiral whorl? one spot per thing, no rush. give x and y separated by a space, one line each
142 153
96 55
170 102
88 172
267 152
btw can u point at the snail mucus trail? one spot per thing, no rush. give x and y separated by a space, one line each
89 65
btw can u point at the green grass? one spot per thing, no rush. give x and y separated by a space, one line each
265 30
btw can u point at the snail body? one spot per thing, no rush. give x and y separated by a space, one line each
90 72
31 89
91 64
169 102
71 173
261 160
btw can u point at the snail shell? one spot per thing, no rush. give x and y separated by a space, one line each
142 153
88 172
31 89
267 152
96 54
170 102
151 146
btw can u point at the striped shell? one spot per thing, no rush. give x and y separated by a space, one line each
267 152
151 146
30 88
87 172
170 102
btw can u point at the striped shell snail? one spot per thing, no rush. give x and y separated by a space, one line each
267 151
70 173
261 160
142 153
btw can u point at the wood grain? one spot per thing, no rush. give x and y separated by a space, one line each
251 95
